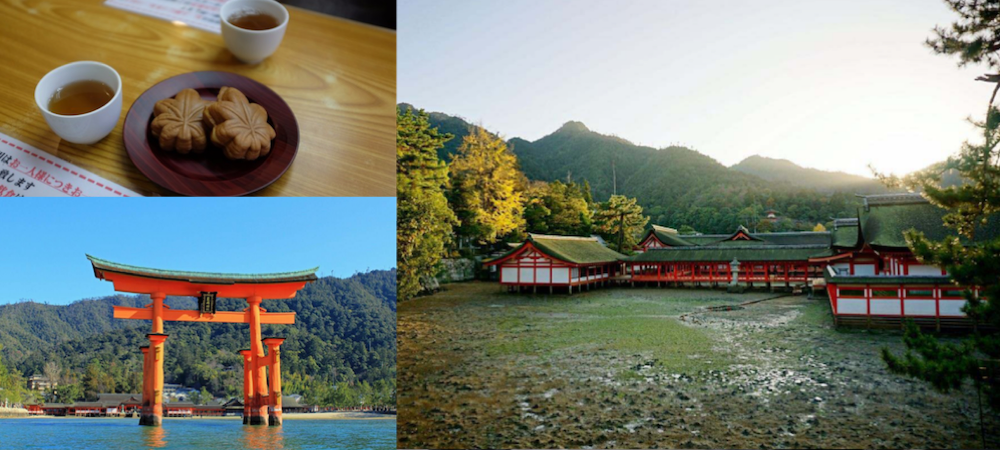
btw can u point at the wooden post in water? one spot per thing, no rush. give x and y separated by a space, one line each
247 384
154 415
145 408
274 358
258 409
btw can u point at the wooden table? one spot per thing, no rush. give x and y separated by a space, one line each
338 76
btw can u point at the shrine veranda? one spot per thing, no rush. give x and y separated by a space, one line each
262 372
863 264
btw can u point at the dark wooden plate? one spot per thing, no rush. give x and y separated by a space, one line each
210 173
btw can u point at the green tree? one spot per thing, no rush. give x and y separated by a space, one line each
195 397
69 392
557 208
686 229
620 222
423 219
487 188
972 205
12 387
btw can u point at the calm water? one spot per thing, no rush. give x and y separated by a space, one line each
73 433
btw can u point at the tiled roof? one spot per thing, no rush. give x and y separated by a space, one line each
728 253
885 222
101 265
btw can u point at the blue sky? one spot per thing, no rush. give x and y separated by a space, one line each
834 85
45 240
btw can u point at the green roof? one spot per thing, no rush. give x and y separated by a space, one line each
781 238
887 217
832 278
667 237
581 250
101 265
703 239
728 253
575 249
796 238
845 236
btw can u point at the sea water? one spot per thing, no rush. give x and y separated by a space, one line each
102 433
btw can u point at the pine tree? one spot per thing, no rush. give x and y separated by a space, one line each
487 188
969 259
423 219
620 221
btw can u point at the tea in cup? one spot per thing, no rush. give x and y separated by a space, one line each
253 29
80 101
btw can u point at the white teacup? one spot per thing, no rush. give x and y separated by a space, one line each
252 46
85 128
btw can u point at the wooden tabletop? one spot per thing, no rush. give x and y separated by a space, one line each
338 77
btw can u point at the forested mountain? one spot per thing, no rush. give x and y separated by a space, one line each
345 331
446 124
676 186
785 171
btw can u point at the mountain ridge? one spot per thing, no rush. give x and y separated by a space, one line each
675 185
783 170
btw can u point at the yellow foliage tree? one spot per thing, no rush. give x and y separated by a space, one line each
487 188
819 227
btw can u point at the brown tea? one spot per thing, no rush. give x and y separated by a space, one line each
253 20
80 97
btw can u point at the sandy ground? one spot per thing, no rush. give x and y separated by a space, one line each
652 368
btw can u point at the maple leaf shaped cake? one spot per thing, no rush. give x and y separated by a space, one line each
239 127
178 122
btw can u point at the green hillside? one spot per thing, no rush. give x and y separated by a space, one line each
785 171
345 331
675 185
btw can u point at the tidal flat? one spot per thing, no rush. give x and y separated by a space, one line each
646 367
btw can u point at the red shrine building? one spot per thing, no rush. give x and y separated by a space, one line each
863 263
570 262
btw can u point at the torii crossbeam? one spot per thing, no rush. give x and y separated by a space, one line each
262 406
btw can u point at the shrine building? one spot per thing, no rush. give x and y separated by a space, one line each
557 261
863 263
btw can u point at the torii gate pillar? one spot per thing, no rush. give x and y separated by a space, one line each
247 384
153 415
274 357
258 411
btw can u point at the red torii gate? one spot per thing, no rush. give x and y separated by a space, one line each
262 406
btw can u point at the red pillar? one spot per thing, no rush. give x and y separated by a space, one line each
274 356
258 413
247 384
155 416
157 311
144 407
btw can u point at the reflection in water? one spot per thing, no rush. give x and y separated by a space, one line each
262 437
155 436
183 434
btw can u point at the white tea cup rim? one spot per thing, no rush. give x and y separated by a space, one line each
238 3
45 107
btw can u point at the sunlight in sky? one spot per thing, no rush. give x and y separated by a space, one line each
830 85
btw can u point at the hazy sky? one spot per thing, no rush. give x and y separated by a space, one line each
45 242
834 85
